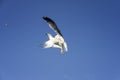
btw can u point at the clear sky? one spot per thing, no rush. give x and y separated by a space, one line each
91 29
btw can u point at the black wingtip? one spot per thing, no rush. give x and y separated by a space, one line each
44 17
47 19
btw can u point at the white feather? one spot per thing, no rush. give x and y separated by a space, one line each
56 42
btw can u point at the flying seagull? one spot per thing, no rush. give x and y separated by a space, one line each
58 40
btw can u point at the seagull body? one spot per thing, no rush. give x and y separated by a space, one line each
56 41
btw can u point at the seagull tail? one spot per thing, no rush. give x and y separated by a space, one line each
64 48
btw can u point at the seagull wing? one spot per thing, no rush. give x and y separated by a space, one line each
52 25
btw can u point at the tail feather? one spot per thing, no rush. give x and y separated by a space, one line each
65 46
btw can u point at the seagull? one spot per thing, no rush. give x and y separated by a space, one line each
55 41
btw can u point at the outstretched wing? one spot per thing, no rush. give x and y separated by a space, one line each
52 25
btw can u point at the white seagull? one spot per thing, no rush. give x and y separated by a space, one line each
58 40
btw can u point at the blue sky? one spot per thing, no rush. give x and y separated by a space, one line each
91 29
